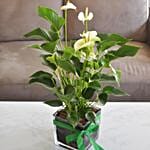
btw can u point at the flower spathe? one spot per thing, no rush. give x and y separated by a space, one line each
68 6
90 36
87 16
88 40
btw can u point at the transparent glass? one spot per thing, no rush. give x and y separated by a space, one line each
61 133
60 143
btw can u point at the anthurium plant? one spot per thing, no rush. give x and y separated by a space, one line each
76 73
77 69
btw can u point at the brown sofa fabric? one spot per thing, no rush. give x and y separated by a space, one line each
149 30
17 63
19 16
127 18
135 74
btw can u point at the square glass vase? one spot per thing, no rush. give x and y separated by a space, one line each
61 133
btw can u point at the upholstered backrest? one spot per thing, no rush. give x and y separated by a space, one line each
149 33
148 30
126 17
19 16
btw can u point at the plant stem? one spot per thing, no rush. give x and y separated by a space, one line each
84 67
58 74
86 26
66 33
60 43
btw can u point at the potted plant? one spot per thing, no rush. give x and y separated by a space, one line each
80 76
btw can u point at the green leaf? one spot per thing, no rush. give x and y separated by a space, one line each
126 50
69 90
73 118
50 83
103 36
68 53
86 76
90 64
60 52
106 44
51 59
95 85
54 35
61 96
48 63
96 65
104 62
39 33
54 103
90 115
96 76
114 37
66 65
36 46
41 74
49 46
77 64
103 97
50 15
116 74
118 38
88 93
43 78
103 77
114 91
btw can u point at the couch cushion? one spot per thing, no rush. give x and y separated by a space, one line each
149 30
19 16
135 74
17 63
126 17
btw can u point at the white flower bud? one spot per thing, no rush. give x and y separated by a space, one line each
69 5
87 16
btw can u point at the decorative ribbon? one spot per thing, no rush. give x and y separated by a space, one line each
78 135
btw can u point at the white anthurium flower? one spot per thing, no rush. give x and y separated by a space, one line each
82 44
81 17
90 16
78 44
90 36
69 5
88 40
87 16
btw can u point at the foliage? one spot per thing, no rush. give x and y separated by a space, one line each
77 75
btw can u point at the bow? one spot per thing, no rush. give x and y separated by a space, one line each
79 135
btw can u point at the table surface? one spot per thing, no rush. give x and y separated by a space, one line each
28 126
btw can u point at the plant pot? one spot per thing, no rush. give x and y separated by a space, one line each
61 133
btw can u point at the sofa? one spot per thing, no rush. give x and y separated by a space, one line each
17 62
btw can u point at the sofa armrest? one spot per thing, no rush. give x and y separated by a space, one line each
148 30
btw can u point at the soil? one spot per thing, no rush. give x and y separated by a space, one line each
83 121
